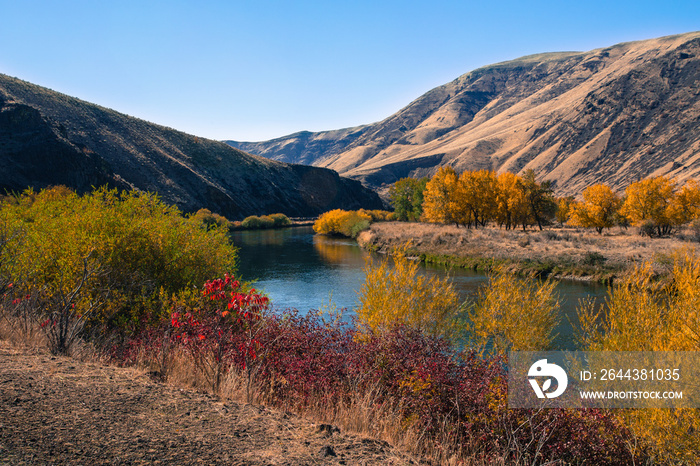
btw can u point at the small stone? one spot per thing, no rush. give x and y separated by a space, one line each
327 451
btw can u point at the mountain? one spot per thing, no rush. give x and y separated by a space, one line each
48 138
611 115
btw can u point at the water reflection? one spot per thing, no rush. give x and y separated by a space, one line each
302 271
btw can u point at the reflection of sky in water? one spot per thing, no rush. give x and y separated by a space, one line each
301 271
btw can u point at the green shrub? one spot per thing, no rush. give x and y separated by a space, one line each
280 220
102 261
265 221
211 220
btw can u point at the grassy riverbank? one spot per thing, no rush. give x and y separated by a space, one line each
574 253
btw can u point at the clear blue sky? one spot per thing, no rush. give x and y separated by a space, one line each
253 70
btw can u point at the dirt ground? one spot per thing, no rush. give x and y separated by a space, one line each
58 410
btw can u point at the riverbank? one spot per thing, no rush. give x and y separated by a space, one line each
571 253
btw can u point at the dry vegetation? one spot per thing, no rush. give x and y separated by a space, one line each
60 410
562 252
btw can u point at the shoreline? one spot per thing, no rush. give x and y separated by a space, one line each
562 253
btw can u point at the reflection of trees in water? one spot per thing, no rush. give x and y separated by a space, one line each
338 252
259 237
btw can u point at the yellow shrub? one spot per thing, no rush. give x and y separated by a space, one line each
342 222
513 314
397 293
640 316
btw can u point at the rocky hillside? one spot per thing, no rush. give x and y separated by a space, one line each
48 138
611 115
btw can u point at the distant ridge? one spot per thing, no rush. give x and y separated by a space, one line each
49 138
611 115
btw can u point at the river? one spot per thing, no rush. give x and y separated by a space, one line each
300 270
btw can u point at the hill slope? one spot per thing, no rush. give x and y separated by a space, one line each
611 115
49 138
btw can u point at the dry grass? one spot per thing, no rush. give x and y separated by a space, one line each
20 332
615 249
361 414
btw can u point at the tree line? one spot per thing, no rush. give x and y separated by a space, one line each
475 198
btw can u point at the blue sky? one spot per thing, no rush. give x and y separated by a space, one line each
253 70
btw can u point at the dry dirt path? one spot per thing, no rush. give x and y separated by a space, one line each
56 410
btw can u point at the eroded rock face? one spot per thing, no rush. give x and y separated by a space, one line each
47 138
611 115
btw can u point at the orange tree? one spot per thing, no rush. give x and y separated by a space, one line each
479 190
512 208
647 201
598 209
685 205
564 209
439 204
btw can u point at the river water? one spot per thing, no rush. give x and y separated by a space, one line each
300 270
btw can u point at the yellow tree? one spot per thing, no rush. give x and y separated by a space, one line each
648 201
511 203
513 314
564 209
439 204
641 317
479 189
685 205
599 208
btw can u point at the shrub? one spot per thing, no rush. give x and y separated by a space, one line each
642 316
376 215
594 258
280 220
399 294
342 222
695 230
647 228
257 223
513 314
454 403
103 260
211 220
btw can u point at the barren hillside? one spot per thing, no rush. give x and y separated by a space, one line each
610 115
48 138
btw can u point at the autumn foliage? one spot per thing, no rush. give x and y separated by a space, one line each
455 400
348 223
97 263
657 205
395 292
476 198
599 208
641 315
